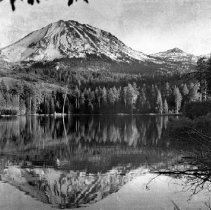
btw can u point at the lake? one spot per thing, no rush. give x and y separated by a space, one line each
97 162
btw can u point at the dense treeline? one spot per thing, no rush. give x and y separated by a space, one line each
110 130
90 73
18 98
149 97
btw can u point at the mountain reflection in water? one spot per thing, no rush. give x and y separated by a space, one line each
84 159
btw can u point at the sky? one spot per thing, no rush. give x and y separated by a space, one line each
149 26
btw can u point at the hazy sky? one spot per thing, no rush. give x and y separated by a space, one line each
146 25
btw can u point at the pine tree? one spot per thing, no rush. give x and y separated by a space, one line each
111 96
185 93
208 74
194 92
185 90
125 96
46 107
82 99
159 102
104 95
91 96
167 90
17 91
142 100
51 106
165 107
115 92
178 99
28 92
153 97
76 94
202 76
34 105
131 96
2 101
98 96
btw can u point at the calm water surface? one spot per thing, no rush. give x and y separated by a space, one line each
97 162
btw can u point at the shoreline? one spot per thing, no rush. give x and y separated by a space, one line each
117 114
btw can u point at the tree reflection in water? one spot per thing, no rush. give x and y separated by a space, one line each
92 158
84 133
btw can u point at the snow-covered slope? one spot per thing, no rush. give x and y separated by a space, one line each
68 39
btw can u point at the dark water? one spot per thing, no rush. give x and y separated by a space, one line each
87 159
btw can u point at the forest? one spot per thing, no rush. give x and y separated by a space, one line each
91 92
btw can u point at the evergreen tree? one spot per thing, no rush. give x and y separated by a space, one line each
132 95
34 105
115 93
91 107
76 94
2 101
51 105
153 97
104 95
111 96
178 99
125 95
17 91
28 92
64 96
46 106
165 107
194 92
142 100
185 90
208 74
159 102
82 99
167 90
8 98
202 76
185 93
98 96
91 98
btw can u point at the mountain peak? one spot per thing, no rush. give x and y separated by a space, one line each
178 57
175 50
68 39
172 52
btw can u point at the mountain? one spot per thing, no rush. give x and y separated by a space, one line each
176 59
69 44
69 39
175 55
